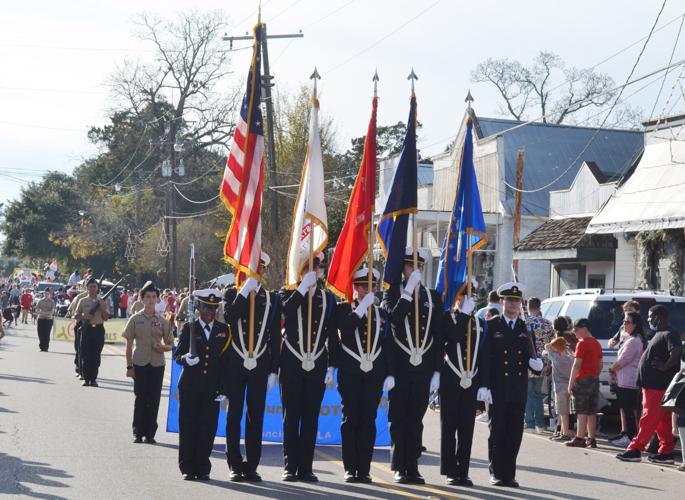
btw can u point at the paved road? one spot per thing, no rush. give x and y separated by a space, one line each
61 440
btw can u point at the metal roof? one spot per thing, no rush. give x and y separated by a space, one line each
550 149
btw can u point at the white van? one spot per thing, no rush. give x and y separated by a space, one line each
604 309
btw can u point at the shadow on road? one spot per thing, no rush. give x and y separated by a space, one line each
18 475
21 378
5 410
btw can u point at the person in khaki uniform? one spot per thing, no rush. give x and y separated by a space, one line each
71 312
145 365
139 305
45 309
92 312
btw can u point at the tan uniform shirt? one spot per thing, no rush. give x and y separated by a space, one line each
74 303
137 307
146 331
45 308
86 304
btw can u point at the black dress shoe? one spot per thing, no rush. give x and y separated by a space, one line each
349 477
289 477
308 477
464 481
452 480
512 483
401 477
137 439
252 476
496 482
202 477
415 477
364 478
93 383
150 440
85 383
235 476
188 477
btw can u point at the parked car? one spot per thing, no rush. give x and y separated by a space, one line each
604 310
41 286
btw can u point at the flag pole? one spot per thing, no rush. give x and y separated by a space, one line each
469 273
315 76
369 255
412 76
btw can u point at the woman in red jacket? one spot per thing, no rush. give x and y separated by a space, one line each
26 301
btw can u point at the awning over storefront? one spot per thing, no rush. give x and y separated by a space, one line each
565 239
654 195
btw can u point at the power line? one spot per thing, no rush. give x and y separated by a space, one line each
283 11
46 127
193 201
670 60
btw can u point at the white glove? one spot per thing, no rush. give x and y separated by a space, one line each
250 285
435 382
271 381
308 281
468 306
329 375
535 364
413 280
364 304
388 383
484 395
191 360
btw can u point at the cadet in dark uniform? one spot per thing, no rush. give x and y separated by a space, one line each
458 387
416 367
303 374
92 312
198 386
151 334
248 375
362 373
507 354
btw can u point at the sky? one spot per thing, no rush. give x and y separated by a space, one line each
56 58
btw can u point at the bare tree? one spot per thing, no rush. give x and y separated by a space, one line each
526 88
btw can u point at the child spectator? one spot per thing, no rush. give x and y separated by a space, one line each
562 363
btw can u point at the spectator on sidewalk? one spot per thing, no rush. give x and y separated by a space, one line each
583 385
562 328
681 433
493 303
562 363
658 365
26 301
624 370
541 330
122 304
621 335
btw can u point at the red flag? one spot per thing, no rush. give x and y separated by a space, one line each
353 243
241 187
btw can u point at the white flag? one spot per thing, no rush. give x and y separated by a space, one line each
309 217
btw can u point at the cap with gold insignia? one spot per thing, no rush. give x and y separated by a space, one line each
209 296
421 255
361 276
511 290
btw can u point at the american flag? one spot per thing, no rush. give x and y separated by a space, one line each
241 187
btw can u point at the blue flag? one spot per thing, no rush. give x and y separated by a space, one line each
466 232
400 202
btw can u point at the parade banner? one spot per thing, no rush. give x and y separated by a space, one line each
330 415
63 329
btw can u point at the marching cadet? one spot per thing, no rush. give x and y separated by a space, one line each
45 309
303 371
507 354
91 310
77 332
363 374
416 366
458 386
249 372
198 385
151 334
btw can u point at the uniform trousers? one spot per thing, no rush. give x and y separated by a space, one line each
360 394
92 342
147 386
245 386
301 395
198 413
457 420
77 347
408 405
506 433
44 330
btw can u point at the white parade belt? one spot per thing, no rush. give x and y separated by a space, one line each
466 376
250 360
366 359
308 359
416 353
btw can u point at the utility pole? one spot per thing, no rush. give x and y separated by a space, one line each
267 100
518 195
